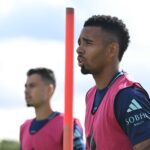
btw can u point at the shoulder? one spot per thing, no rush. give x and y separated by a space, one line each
132 110
26 122
58 118
130 99
25 126
131 92
76 122
59 115
90 92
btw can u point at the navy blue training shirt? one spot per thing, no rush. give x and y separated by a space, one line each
132 111
78 142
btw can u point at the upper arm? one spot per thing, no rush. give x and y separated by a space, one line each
145 145
132 110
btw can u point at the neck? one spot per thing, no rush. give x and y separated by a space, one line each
103 78
43 112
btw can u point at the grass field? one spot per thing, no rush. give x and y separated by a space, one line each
9 145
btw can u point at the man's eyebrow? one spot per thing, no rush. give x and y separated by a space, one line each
30 84
85 39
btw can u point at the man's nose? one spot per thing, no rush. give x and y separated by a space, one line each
80 49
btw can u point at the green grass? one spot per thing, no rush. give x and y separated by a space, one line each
9 145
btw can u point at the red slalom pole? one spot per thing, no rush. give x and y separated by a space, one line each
68 114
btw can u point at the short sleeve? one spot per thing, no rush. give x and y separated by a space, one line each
132 110
78 136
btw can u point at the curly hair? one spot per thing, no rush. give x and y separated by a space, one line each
114 27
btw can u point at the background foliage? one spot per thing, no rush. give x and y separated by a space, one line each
9 145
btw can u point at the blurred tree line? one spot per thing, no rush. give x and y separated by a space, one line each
9 145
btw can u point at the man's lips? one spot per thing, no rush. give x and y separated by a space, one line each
80 60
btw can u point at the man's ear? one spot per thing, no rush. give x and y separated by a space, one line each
51 89
113 50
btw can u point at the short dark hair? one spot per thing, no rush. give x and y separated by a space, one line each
114 27
46 74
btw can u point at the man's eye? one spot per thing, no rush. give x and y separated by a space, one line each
32 85
88 43
79 41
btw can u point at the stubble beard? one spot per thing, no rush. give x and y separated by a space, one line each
29 105
85 71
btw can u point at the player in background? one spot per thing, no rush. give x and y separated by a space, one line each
45 131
